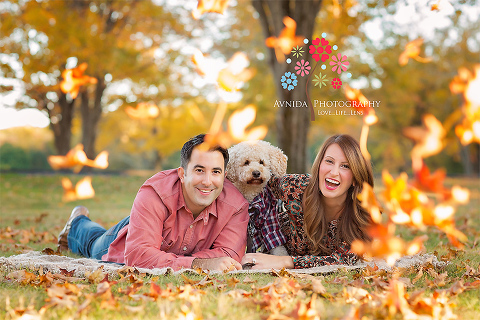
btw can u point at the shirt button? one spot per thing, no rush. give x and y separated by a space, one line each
184 248
191 226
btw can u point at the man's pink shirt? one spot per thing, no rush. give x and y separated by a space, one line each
163 233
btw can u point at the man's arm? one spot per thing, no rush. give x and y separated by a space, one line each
232 240
144 239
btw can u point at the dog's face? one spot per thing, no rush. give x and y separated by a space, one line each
252 164
254 170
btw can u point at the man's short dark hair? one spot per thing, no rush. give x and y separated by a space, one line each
187 149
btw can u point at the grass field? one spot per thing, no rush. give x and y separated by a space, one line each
32 214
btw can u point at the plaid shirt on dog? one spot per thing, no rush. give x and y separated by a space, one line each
263 226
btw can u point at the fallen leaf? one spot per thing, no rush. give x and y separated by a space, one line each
96 276
22 276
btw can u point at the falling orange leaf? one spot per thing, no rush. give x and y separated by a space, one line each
237 124
74 158
240 120
198 60
460 195
370 202
386 245
286 40
144 110
73 79
406 204
460 82
77 159
82 190
361 103
356 97
409 206
432 182
428 140
217 6
363 142
100 162
230 77
235 73
468 84
412 51
441 5
336 9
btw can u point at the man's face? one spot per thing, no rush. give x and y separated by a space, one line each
202 181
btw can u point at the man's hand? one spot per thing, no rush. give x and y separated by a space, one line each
224 264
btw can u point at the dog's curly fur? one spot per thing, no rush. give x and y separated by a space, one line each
252 164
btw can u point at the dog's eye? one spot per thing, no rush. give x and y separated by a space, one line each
261 161
246 163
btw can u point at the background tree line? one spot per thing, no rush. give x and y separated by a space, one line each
140 51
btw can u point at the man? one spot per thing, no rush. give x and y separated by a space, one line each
188 217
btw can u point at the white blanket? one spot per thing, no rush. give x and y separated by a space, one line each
34 260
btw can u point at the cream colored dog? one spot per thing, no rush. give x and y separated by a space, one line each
252 164
250 167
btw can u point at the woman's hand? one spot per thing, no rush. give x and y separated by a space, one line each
267 261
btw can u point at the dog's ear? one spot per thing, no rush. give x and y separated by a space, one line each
232 164
278 161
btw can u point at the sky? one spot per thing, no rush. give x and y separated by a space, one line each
408 14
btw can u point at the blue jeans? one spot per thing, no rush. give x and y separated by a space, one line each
90 239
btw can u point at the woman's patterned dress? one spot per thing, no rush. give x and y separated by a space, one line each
290 189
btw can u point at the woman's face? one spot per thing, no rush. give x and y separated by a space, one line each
335 175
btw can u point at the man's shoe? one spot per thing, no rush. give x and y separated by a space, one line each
62 237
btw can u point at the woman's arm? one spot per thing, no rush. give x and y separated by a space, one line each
267 261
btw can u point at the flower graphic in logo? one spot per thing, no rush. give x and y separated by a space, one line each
297 51
320 49
339 63
320 80
302 67
289 81
336 83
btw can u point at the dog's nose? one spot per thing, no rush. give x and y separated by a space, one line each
256 174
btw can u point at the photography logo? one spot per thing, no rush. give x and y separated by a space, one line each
333 65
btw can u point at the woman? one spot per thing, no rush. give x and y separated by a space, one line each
323 215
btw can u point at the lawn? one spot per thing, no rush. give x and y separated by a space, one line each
32 214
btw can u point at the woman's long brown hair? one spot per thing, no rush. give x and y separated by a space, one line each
354 219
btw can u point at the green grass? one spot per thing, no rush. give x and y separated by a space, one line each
35 201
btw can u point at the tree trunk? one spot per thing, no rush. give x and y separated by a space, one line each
292 123
61 124
470 156
91 114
